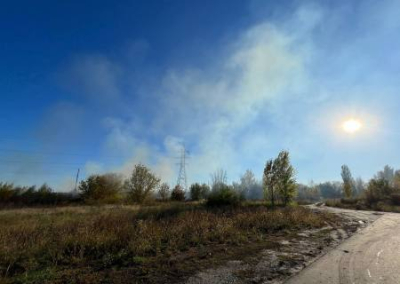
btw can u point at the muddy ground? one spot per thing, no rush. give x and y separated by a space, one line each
290 254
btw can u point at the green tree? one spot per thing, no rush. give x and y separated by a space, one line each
199 191
378 189
286 180
100 188
279 180
396 180
270 181
6 192
142 184
348 182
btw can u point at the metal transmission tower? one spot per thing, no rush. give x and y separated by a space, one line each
182 178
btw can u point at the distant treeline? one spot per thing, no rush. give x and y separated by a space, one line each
143 186
277 185
384 185
18 196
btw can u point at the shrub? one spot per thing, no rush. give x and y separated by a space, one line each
142 184
395 198
6 192
101 188
178 194
378 190
349 201
225 196
16 196
199 191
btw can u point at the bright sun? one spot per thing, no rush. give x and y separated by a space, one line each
351 125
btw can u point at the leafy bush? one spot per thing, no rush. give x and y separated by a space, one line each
395 198
225 196
6 192
350 201
178 194
199 191
101 188
378 190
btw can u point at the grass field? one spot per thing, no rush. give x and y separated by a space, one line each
123 244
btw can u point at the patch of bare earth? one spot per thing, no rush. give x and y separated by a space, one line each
289 253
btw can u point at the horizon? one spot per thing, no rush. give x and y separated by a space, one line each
104 86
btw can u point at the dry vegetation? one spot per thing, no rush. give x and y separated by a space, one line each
361 204
123 244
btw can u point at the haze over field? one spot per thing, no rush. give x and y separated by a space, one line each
103 86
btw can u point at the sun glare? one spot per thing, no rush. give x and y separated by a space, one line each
351 126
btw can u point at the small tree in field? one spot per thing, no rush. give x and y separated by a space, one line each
164 192
141 184
270 182
348 181
278 179
287 182
178 194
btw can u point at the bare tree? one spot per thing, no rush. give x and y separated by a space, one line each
247 183
218 179
164 192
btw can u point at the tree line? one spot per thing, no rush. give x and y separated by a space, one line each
143 186
277 186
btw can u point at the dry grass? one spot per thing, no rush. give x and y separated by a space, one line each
361 204
89 244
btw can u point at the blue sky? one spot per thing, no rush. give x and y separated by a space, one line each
101 86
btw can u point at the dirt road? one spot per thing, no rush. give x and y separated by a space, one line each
370 256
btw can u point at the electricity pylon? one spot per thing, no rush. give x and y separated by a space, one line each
182 178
